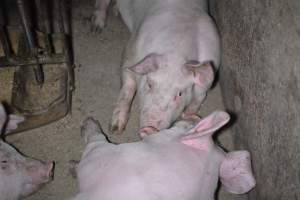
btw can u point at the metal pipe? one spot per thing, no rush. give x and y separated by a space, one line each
44 25
38 70
5 42
24 61
3 35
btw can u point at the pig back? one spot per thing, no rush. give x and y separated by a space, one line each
152 171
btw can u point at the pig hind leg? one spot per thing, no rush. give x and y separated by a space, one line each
121 112
99 16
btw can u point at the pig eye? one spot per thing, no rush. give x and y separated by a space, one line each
4 161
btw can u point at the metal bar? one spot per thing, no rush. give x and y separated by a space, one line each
5 42
58 18
38 70
61 20
23 61
3 35
43 19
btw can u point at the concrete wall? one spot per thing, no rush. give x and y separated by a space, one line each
260 80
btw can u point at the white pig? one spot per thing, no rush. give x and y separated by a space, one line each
180 163
19 176
170 59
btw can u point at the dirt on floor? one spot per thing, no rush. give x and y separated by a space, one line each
97 77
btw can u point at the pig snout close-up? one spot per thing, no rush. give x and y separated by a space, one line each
169 61
20 176
183 155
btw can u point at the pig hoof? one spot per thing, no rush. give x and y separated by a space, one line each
116 126
115 129
90 127
72 167
97 23
116 11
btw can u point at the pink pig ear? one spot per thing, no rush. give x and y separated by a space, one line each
199 137
203 73
236 173
149 64
208 125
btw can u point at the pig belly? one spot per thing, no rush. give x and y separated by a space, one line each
169 173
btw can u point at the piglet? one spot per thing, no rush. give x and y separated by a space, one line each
180 163
20 176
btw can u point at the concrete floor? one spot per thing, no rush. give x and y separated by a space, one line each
97 57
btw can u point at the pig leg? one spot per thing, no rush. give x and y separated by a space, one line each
121 112
93 136
99 16
91 131
72 167
115 8
192 109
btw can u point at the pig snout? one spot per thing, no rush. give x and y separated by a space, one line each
154 120
148 130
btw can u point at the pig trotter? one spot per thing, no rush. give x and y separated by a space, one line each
119 121
98 19
115 9
72 167
97 24
91 128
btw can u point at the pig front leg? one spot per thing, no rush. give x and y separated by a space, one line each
190 113
121 112
99 16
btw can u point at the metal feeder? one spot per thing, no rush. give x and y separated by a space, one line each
36 71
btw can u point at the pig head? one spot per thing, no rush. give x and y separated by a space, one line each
165 92
20 176
179 163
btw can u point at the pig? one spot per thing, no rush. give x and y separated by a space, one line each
20 176
170 60
179 163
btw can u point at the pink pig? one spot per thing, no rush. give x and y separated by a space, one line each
180 163
169 60
19 176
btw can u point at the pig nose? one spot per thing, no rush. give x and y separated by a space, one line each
147 130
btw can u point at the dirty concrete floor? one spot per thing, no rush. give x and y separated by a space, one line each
97 76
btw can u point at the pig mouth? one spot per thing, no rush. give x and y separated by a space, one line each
147 130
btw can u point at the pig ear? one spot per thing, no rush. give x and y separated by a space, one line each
199 137
203 73
236 173
208 125
149 64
